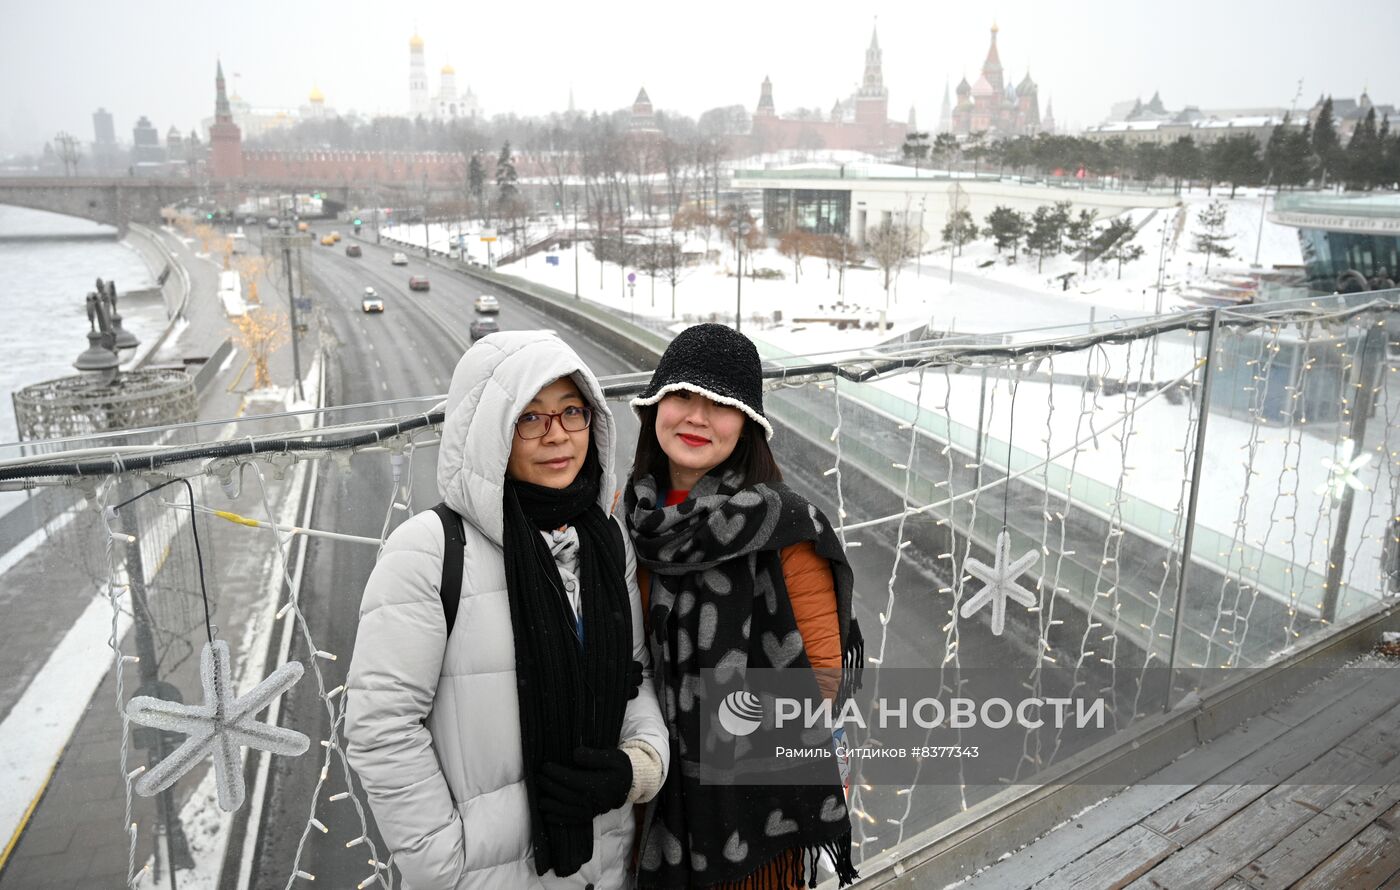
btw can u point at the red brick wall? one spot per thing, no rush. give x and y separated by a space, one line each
354 167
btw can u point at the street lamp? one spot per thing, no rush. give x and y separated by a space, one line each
99 362
741 228
126 342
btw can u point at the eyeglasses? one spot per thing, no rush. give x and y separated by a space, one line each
535 425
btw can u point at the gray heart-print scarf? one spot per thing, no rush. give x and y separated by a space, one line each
719 602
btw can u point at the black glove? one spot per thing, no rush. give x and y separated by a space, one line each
598 781
634 679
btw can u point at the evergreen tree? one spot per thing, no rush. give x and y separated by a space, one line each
960 230
916 147
1242 163
1044 234
1361 166
1215 163
945 148
1063 210
506 178
476 182
1083 231
1005 227
1182 161
1149 160
1212 237
1325 143
1276 152
1390 160
1119 236
1297 161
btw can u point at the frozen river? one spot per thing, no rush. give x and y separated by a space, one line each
43 285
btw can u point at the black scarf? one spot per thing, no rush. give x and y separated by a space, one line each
572 692
717 554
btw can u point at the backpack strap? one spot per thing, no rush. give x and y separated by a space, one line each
451 587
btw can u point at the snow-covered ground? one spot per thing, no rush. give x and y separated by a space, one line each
1276 510
987 293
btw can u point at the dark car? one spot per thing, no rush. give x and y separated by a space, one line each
352 250
417 282
483 326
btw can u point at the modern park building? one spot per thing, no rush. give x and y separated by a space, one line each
1345 238
857 199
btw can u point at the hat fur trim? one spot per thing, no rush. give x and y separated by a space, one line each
669 388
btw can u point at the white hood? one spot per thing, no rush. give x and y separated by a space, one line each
494 381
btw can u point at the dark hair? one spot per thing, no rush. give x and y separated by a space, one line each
751 456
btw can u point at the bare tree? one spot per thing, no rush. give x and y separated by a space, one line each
260 333
796 245
671 264
672 156
839 251
890 246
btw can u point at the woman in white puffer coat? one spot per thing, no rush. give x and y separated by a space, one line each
506 753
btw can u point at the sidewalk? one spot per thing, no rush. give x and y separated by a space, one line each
62 804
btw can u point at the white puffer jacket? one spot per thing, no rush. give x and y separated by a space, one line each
433 722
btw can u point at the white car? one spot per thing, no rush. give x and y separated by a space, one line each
486 304
399 259
371 301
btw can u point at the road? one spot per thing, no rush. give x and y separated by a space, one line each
409 351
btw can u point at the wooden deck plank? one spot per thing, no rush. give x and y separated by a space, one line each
1371 860
1112 865
1197 812
1319 837
1313 841
1100 824
1217 855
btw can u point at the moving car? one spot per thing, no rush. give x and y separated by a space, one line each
328 241
486 304
352 250
250 221
371 301
303 227
417 282
272 222
399 259
335 237
480 327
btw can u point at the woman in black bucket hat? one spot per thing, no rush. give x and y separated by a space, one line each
738 574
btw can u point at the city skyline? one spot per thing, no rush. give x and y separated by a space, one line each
604 57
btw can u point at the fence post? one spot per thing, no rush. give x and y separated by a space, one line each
1367 364
1183 572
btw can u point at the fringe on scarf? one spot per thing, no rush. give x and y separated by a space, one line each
795 866
852 662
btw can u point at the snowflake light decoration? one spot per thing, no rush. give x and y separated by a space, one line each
999 582
1342 469
220 726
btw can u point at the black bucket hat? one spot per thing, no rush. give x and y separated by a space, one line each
714 361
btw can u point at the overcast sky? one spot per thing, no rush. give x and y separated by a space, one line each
60 61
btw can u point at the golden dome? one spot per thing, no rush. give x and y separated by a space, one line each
448 69
415 42
316 95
